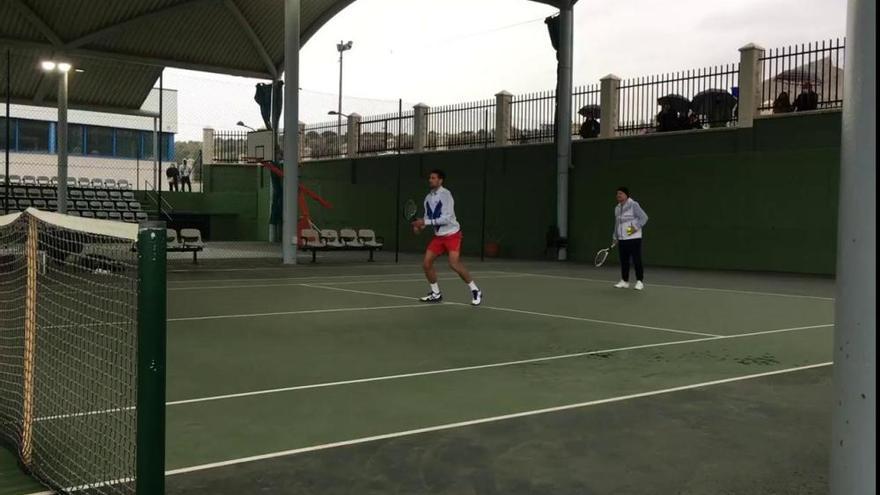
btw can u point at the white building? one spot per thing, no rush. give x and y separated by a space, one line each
100 145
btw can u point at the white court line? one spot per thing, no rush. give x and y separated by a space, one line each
300 312
483 366
351 282
441 371
520 311
683 287
491 419
462 424
317 277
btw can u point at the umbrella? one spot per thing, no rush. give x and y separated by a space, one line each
713 101
678 103
588 111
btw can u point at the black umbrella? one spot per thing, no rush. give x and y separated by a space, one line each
713 101
588 111
678 103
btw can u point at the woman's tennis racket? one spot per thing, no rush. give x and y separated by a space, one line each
601 256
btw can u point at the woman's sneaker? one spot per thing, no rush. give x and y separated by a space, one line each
432 297
622 285
639 285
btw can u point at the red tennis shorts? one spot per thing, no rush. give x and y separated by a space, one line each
441 244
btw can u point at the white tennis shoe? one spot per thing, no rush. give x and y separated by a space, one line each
639 285
622 285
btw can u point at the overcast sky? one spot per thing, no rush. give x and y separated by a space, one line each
449 51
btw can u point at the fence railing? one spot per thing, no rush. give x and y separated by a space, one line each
391 132
689 99
230 146
793 78
803 77
464 125
533 115
324 140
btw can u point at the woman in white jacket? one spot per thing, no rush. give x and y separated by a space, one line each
629 219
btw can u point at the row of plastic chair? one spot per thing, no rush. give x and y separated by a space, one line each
125 216
87 194
344 238
83 182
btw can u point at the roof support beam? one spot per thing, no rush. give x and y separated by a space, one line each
36 21
101 33
255 40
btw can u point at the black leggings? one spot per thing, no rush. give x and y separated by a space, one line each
631 249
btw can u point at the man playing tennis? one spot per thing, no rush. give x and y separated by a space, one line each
440 215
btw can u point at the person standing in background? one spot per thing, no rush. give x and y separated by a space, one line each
629 219
185 174
172 174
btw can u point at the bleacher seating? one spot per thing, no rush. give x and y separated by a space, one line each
87 197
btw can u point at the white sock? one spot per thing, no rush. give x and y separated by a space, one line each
435 288
473 285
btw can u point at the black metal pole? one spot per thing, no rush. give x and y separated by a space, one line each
399 123
396 217
485 174
159 146
8 122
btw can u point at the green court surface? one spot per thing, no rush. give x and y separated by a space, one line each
333 379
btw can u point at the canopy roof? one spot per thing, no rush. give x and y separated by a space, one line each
123 45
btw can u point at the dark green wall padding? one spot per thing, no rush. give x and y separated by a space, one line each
763 198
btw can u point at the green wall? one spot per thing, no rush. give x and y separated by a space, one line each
228 210
519 195
763 198
747 199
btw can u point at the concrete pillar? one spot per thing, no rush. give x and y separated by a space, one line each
751 78
420 127
854 414
290 216
609 105
353 136
207 146
503 118
564 83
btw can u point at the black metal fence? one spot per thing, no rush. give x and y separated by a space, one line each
465 125
230 146
803 77
391 132
690 99
533 115
325 140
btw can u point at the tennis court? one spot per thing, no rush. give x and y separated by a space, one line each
332 379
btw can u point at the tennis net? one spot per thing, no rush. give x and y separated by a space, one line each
69 300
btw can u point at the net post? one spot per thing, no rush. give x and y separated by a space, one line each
30 342
151 344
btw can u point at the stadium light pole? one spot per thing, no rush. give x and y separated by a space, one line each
341 47
854 417
62 68
290 213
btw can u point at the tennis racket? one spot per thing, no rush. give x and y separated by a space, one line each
410 210
601 256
